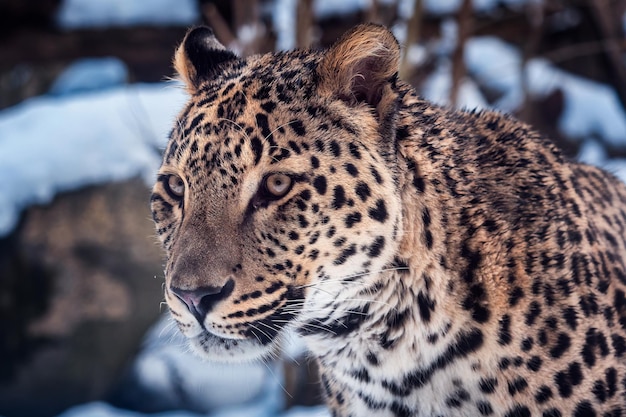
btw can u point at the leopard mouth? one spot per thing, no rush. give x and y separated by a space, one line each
261 339
237 341
222 349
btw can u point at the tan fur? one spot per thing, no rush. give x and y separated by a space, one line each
185 70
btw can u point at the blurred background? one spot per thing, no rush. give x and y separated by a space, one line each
86 101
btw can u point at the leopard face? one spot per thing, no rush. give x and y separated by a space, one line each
275 193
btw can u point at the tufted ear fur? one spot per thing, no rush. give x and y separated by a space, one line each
198 56
362 67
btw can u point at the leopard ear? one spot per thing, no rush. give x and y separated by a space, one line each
199 56
362 67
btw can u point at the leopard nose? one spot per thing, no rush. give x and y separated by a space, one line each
200 301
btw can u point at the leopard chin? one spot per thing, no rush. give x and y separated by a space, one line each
221 349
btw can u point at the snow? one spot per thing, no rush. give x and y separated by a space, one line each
327 8
53 144
593 153
74 14
100 409
437 86
447 7
498 66
591 108
90 74
445 46
416 55
206 386
283 19
308 412
168 376
440 7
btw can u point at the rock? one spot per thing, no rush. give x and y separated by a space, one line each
81 284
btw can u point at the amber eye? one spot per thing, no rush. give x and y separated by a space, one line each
176 185
277 185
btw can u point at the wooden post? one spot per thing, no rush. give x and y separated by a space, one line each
304 24
465 27
413 29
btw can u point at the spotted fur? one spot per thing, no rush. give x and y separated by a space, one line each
437 263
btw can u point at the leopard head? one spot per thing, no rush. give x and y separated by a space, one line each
277 200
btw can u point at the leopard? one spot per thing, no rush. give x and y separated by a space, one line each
435 262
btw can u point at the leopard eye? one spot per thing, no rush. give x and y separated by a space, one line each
175 185
277 185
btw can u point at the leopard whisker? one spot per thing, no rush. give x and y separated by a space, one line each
167 328
275 130
347 279
325 311
362 300
261 331
284 354
313 319
276 378
275 329
181 128
237 125
255 335
319 327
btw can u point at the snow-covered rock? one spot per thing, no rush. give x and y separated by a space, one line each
320 411
53 144
100 409
169 376
591 109
593 153
498 66
437 87
283 14
90 74
166 375
327 8
446 7
73 14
